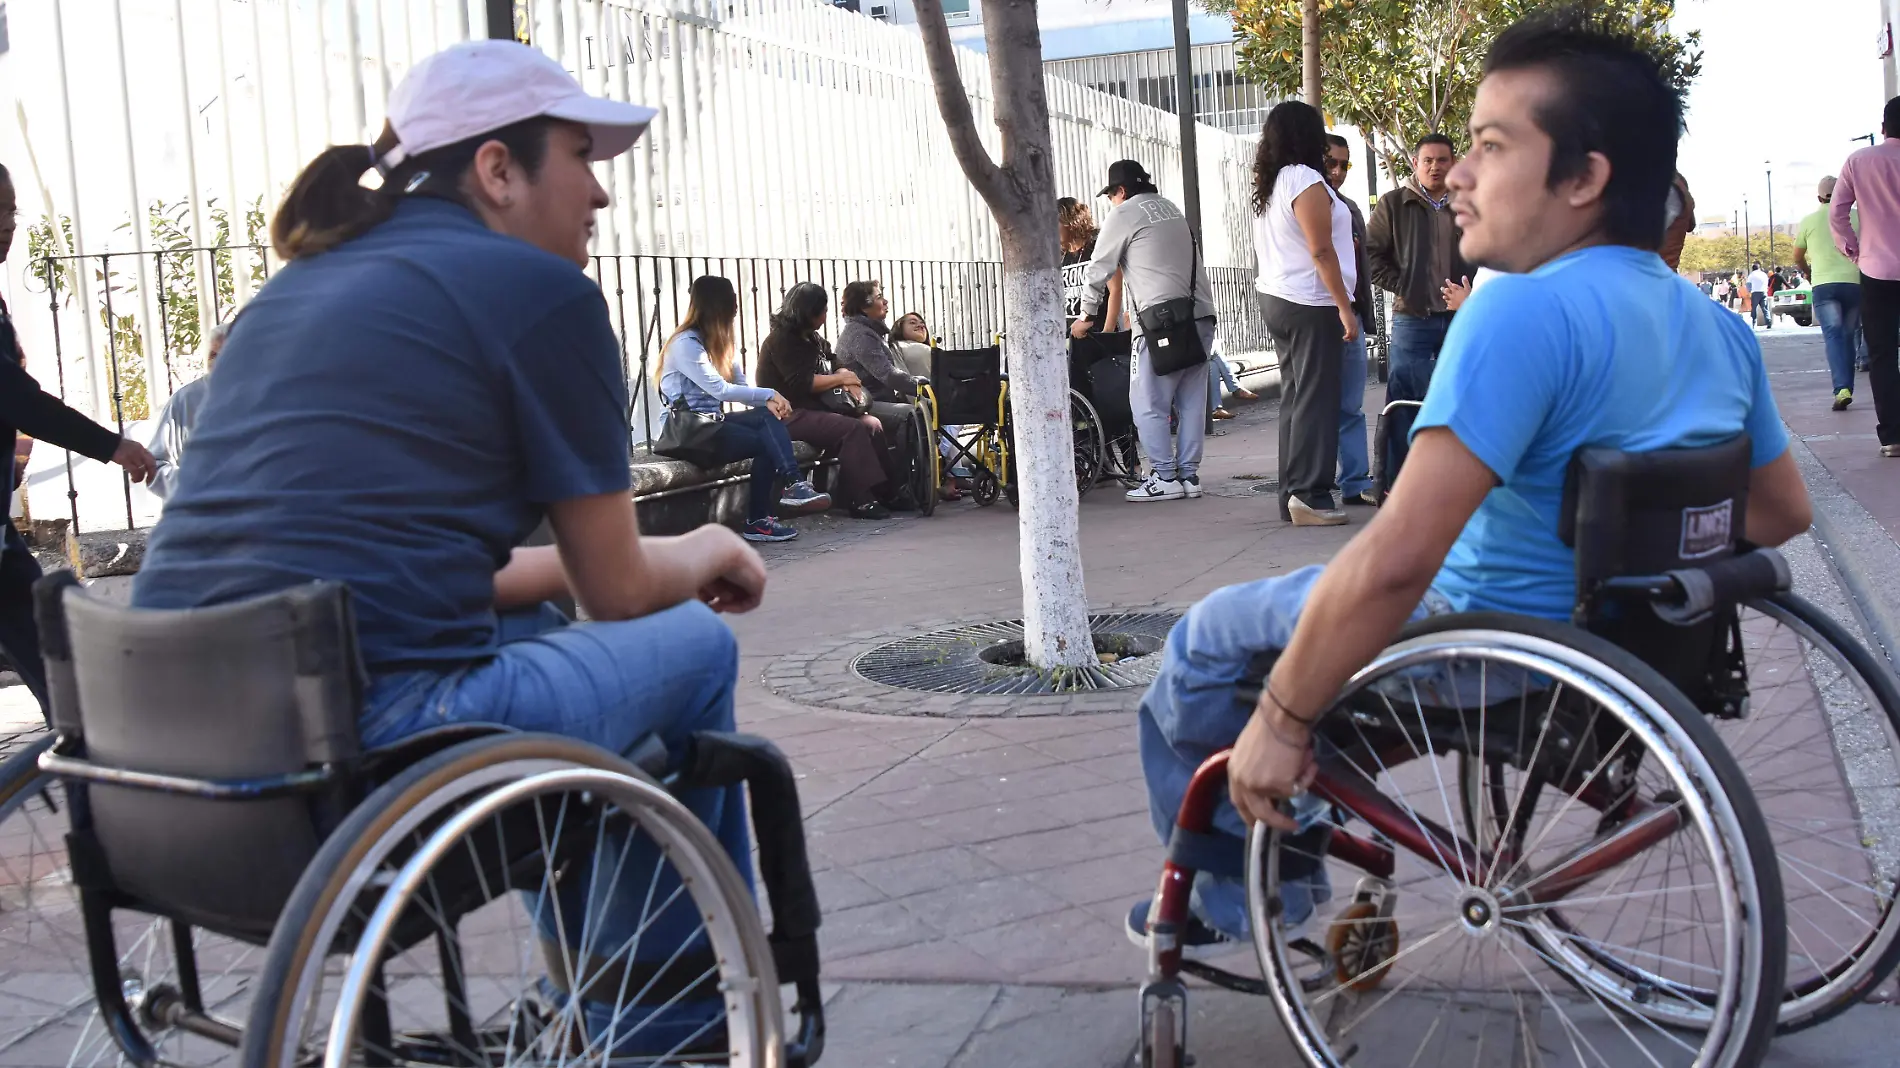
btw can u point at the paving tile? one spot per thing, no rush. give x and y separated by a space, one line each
1007 759
939 961
1094 745
1042 942
871 928
863 844
974 906
906 775
903 1026
933 869
967 738
1026 853
987 824
1097 802
840 890
1121 878
1046 1027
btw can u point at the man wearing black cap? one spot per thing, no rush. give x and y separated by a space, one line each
1146 237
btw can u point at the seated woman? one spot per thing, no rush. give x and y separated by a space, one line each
697 366
180 415
910 340
429 375
796 361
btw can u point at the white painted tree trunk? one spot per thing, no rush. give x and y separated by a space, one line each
1021 194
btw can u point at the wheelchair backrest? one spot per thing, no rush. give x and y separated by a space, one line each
245 693
1630 514
1099 367
968 384
1644 513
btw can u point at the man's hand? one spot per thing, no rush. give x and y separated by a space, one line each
1081 327
1456 293
779 406
1350 319
1267 768
136 460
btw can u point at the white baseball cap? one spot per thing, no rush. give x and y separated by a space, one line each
476 87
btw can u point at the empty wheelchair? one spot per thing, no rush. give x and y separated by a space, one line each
204 867
1654 836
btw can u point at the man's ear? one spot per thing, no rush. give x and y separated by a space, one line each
1587 187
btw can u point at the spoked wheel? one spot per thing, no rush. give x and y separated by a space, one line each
48 1014
1090 442
923 465
1603 766
546 904
1123 458
1820 747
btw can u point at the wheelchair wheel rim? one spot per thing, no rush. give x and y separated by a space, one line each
1512 996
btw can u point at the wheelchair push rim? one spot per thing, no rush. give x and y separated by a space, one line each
510 1011
1628 773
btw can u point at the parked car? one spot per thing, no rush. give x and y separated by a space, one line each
1796 305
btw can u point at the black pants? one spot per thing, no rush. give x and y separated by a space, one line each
1880 320
1311 343
19 634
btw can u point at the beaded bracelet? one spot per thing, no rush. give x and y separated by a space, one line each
1309 724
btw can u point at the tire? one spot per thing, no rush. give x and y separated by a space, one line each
1622 736
923 467
1804 319
43 942
378 845
1090 442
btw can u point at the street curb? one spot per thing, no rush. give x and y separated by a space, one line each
1864 555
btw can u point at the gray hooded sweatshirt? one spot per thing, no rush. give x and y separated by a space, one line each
1146 238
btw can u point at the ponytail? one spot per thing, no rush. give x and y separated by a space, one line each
328 205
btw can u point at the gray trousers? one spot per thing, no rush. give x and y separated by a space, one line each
1311 343
1184 394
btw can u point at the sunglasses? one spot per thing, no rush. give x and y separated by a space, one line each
1338 165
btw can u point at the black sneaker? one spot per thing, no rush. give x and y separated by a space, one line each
870 510
1198 942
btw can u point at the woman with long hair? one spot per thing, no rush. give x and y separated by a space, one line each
697 367
1303 240
797 361
430 376
1076 230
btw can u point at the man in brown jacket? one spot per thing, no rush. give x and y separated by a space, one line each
1412 250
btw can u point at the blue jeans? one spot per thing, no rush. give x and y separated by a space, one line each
1416 341
1758 309
1189 714
757 435
612 684
1837 309
1355 470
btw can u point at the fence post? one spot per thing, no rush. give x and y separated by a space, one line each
501 19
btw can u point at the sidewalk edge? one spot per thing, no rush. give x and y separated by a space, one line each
1864 556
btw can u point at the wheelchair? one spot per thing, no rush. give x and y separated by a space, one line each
204 837
1659 834
1099 368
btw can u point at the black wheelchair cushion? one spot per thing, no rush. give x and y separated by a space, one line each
1644 513
968 384
1100 366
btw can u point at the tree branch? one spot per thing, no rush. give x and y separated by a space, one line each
954 104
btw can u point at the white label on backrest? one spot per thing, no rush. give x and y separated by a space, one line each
1705 531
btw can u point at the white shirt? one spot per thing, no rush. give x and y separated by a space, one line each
1758 281
1286 265
1485 274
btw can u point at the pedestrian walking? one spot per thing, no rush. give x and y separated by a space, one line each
1871 178
27 409
1302 234
1835 296
1758 296
1412 250
1164 281
1355 464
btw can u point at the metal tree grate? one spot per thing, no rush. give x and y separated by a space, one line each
954 660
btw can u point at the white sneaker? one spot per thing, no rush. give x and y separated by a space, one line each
1156 488
1191 485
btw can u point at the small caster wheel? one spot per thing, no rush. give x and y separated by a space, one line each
984 488
1362 944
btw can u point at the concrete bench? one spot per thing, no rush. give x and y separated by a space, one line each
673 495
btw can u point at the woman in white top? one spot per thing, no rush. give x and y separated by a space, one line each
1302 236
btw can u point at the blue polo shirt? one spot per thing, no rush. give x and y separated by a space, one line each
1605 347
396 414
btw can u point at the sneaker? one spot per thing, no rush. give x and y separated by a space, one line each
767 529
1305 515
1156 488
870 510
1191 486
1222 413
1843 398
1890 450
1198 942
802 497
1368 499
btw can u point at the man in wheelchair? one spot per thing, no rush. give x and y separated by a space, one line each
429 377
1591 341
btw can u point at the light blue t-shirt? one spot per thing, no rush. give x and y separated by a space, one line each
1605 347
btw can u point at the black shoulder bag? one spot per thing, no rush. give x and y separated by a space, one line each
1173 335
689 435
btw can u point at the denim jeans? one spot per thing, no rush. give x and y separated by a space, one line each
611 684
757 435
1355 465
1759 310
1837 309
1189 714
1416 341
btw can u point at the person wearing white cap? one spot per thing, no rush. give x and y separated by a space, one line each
428 378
